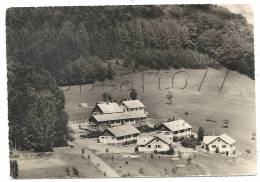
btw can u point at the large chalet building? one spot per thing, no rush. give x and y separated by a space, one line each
105 115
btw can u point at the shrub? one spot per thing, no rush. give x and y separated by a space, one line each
136 149
200 134
179 155
165 171
75 171
68 172
145 128
107 97
133 94
188 160
169 152
175 139
14 169
141 170
129 142
189 142
253 136
173 171
107 150
217 150
92 134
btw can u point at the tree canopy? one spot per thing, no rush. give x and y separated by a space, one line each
49 47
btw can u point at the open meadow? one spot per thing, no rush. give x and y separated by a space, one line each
236 101
206 108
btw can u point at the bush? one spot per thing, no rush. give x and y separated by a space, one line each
92 134
253 136
217 150
175 139
14 169
129 142
141 170
200 134
179 155
75 171
107 150
68 172
136 149
145 128
173 171
169 152
165 171
188 160
189 142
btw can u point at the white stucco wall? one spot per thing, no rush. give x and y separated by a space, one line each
178 135
220 143
114 140
184 134
154 146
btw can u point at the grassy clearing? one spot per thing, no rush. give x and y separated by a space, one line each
60 165
235 102
137 166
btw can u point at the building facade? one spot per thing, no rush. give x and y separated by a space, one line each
223 144
178 128
153 143
111 114
133 105
119 135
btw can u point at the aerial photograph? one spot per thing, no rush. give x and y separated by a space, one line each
131 91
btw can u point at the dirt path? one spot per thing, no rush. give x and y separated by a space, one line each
208 173
94 159
105 168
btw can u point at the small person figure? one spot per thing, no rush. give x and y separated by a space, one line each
88 157
83 151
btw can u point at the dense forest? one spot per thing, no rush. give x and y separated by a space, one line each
54 46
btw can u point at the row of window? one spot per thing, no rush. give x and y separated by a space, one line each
121 121
128 136
156 146
135 109
215 146
181 131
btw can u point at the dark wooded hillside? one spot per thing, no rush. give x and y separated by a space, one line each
52 46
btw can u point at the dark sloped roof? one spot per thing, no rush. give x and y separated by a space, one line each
123 130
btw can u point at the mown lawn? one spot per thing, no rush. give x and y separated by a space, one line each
138 165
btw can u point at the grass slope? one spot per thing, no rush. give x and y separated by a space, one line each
235 102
